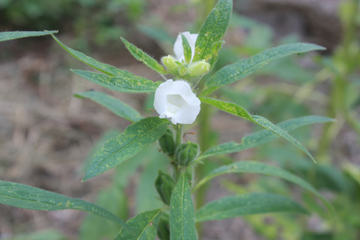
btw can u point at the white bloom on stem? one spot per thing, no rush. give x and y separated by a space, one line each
178 47
176 101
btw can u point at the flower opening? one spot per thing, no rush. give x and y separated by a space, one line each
176 101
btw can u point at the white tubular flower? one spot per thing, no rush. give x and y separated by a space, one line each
178 47
176 101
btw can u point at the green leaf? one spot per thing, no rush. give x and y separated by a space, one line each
102 67
120 83
5 36
215 50
243 68
182 215
141 227
23 196
118 149
241 112
118 107
143 57
261 137
247 204
187 49
115 199
256 167
213 29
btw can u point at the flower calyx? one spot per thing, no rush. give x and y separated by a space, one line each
164 185
186 153
167 143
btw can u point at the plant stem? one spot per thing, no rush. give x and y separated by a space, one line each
178 129
177 170
205 143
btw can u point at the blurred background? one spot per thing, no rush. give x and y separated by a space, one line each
47 135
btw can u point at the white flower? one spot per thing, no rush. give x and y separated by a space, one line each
176 101
178 47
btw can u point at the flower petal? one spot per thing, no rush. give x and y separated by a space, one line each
176 101
178 47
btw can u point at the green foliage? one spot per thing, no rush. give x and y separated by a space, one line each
23 196
118 107
5 36
117 150
143 57
102 67
253 203
256 167
182 215
240 112
177 222
243 68
141 227
120 83
261 137
213 30
187 49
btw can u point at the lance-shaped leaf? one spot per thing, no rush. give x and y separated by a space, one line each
141 227
182 215
5 36
187 49
102 67
126 145
263 136
243 68
213 29
23 196
241 112
120 83
215 50
261 168
247 204
143 57
118 107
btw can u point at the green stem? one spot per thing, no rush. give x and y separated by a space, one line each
205 143
178 129
177 170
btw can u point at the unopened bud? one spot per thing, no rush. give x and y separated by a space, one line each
199 68
164 185
167 143
170 63
163 229
186 153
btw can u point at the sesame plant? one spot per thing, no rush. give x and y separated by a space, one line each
184 96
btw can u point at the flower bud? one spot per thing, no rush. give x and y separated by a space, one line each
170 63
167 143
164 185
186 153
199 68
163 230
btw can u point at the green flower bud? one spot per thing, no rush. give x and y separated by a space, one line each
186 153
164 185
167 143
199 68
163 230
170 63
183 69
